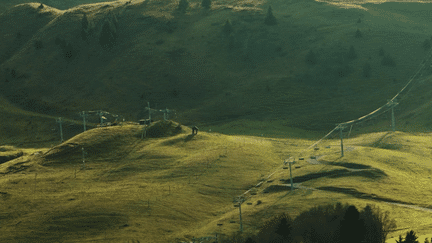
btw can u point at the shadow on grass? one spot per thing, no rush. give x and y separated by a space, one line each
353 192
278 188
338 173
347 165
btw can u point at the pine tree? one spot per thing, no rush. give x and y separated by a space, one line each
206 4
351 227
426 240
358 34
270 18
411 237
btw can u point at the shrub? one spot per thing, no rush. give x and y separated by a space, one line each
367 70
270 18
183 5
206 3
388 61
359 21
311 58
358 34
351 53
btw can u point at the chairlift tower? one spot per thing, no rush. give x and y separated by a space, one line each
59 120
84 116
166 112
84 153
240 200
393 103
101 116
148 108
341 127
291 179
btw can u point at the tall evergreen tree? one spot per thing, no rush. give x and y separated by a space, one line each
351 229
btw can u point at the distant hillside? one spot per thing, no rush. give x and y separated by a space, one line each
308 70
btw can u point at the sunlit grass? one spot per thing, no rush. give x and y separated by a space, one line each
160 189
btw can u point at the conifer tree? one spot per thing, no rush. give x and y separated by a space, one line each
411 237
270 18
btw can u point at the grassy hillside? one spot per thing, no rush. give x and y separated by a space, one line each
257 93
54 64
172 188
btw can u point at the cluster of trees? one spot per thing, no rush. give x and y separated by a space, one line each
336 223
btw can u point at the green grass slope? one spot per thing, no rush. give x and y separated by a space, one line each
177 186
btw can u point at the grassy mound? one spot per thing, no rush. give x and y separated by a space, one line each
163 129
